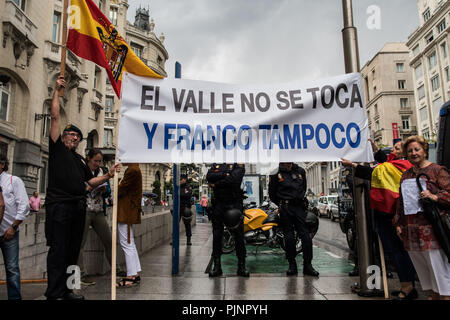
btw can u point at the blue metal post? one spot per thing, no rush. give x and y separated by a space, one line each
176 204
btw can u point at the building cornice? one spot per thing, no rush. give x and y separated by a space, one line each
368 63
430 23
389 93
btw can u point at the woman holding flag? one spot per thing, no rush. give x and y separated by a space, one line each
384 194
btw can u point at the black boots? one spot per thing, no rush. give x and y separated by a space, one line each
309 270
217 271
189 243
292 271
241 271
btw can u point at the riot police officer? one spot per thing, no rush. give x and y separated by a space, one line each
227 206
185 206
287 189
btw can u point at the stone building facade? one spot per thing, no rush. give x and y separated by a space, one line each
429 58
389 94
30 57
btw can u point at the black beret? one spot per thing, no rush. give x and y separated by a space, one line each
71 127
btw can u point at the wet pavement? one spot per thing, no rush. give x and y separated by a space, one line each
267 280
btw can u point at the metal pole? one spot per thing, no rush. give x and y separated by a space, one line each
176 204
351 56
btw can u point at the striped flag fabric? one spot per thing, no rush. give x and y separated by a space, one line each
93 37
385 184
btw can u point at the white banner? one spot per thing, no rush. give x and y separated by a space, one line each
186 121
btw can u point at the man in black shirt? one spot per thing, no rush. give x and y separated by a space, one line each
65 201
287 189
185 206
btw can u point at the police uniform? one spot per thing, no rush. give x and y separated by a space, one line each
287 189
185 203
226 180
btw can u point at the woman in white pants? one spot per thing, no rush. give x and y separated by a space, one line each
431 263
129 213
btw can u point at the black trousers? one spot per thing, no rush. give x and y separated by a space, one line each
293 217
217 225
64 232
393 248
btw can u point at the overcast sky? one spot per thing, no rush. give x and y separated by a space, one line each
270 41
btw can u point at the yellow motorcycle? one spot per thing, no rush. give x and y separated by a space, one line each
261 228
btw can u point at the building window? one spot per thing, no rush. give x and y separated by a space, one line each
444 50
46 122
113 15
100 5
377 125
416 50
401 84
97 78
137 49
5 97
55 27
400 67
405 122
4 149
437 104
403 102
435 83
426 134
108 137
418 71
423 114
109 104
43 177
447 74
441 26
429 37
373 74
426 15
432 60
20 4
375 90
421 92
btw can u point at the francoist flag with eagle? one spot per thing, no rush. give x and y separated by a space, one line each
93 37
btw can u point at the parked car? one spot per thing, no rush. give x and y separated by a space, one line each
313 206
328 206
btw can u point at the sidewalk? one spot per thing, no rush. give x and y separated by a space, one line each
192 283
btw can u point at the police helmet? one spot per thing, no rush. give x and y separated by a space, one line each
232 219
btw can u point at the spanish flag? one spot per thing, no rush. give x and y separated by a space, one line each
93 37
385 184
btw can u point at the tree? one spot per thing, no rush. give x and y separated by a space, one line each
157 190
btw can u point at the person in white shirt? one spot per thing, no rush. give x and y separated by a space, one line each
16 210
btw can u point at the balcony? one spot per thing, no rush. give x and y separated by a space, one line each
405 111
411 130
21 30
378 134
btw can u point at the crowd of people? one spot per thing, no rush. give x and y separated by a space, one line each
397 202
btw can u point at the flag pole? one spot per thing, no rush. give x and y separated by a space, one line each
114 217
63 46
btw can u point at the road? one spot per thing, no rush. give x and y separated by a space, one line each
330 238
